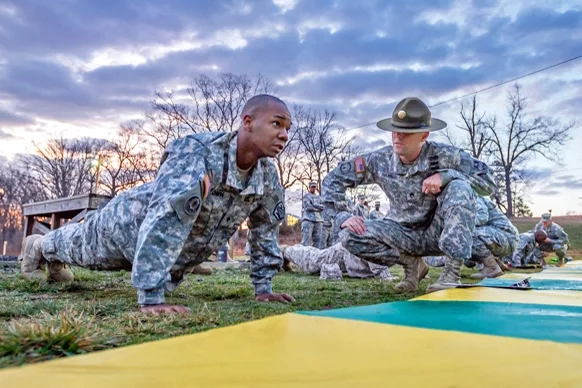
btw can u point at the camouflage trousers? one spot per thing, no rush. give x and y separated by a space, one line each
491 241
89 245
310 260
450 232
311 233
522 254
559 249
327 234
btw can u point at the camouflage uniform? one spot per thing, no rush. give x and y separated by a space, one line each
494 235
417 224
559 241
312 222
376 215
311 259
327 233
525 247
162 229
361 210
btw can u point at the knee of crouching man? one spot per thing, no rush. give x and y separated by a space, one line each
458 192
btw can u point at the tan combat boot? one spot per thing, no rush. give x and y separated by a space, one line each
32 264
490 269
287 267
60 272
415 269
450 277
201 270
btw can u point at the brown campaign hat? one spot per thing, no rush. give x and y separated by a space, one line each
411 115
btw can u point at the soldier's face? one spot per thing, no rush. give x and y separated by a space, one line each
378 207
547 223
312 190
408 144
268 129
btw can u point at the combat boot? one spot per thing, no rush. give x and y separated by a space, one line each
201 270
60 272
286 262
415 269
450 277
490 269
32 264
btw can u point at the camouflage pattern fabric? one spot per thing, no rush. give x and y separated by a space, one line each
312 207
417 224
525 247
558 244
163 229
330 272
376 215
360 211
311 233
310 260
327 232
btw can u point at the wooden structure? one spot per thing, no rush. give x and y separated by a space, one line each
55 211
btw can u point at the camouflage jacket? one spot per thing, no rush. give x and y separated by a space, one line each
402 184
312 207
555 233
196 202
376 215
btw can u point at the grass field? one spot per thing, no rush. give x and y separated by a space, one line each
98 310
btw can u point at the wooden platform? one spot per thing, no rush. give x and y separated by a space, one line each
58 212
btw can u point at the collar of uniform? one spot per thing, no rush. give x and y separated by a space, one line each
420 164
255 183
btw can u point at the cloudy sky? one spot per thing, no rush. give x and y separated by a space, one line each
80 67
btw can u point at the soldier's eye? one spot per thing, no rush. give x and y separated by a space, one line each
276 123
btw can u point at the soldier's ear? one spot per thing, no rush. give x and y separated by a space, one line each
247 123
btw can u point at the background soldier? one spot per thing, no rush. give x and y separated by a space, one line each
312 221
376 214
557 240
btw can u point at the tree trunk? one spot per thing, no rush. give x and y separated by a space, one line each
508 192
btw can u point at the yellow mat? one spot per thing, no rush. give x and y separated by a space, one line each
294 350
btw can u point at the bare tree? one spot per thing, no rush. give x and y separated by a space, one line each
288 162
59 168
514 144
16 189
476 138
124 163
322 143
207 106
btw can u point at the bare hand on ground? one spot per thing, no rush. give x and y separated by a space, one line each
355 224
283 298
158 309
432 184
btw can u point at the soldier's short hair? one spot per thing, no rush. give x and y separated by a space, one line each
259 101
540 236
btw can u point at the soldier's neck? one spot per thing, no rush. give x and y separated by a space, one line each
246 158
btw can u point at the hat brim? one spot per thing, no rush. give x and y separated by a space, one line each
435 125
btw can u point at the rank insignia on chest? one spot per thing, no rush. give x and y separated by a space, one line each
359 165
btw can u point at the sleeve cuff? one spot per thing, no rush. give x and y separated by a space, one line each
341 218
150 297
447 176
263 288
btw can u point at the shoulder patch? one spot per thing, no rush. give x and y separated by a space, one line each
359 165
346 167
279 211
192 205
